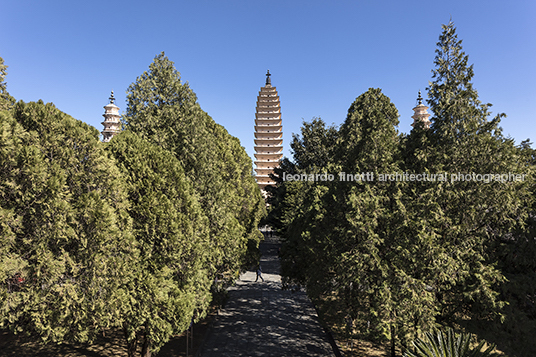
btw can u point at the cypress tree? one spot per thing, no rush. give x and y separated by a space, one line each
312 151
164 110
294 203
170 285
65 236
6 100
379 267
345 239
490 225
469 216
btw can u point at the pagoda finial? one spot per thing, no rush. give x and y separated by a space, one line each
419 99
268 80
112 99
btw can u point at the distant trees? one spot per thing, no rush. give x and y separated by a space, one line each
291 206
399 256
313 150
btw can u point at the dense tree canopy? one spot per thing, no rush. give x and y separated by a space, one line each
398 256
65 237
6 100
165 111
470 216
169 283
313 150
129 234
218 177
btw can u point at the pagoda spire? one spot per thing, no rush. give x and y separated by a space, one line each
268 80
111 120
421 113
112 99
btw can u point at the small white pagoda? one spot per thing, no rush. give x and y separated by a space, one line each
421 113
112 125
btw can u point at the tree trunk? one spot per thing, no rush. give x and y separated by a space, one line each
131 345
393 353
146 348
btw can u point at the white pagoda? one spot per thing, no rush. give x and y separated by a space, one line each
112 125
421 113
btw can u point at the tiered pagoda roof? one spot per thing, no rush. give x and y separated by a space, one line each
421 114
268 134
111 120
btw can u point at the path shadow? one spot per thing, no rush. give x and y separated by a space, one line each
262 319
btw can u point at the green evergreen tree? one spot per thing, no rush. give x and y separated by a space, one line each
342 239
400 256
6 100
65 238
457 110
469 224
164 111
170 285
312 154
470 217
313 150
349 241
276 194
379 270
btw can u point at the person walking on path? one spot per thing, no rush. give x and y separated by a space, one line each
259 273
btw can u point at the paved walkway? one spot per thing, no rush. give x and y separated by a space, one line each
261 319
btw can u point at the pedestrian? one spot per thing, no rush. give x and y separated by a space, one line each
259 273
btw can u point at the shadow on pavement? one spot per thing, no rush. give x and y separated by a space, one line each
261 319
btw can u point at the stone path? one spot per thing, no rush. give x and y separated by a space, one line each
261 319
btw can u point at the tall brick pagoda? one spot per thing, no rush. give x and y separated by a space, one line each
268 134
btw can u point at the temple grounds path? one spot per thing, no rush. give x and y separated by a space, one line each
261 319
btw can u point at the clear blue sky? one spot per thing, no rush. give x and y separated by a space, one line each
322 54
